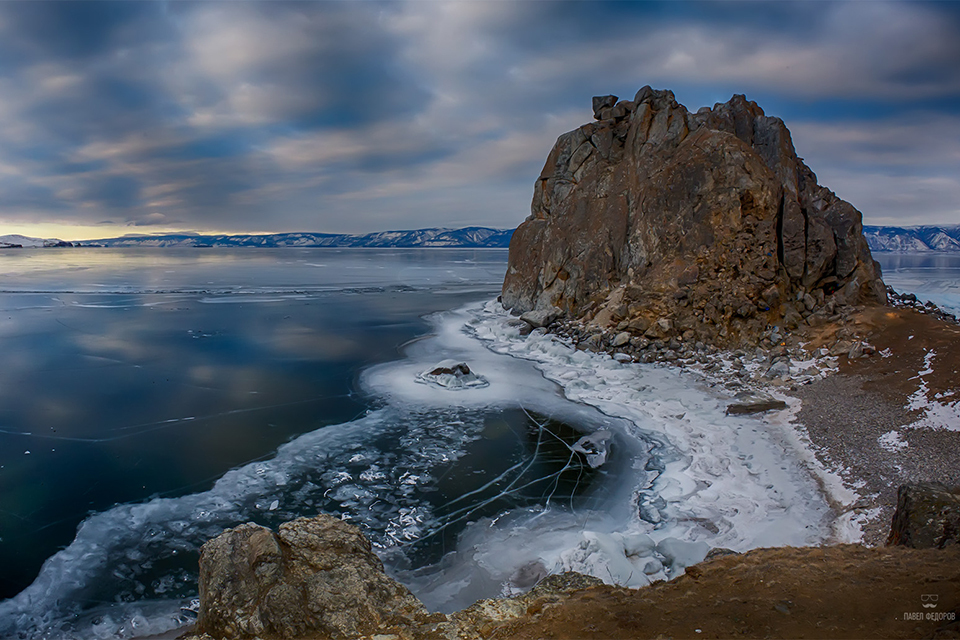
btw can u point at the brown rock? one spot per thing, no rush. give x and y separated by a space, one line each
602 102
316 578
653 200
927 516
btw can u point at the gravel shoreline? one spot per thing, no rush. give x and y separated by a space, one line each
855 380
849 416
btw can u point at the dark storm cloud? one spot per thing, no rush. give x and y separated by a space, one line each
362 116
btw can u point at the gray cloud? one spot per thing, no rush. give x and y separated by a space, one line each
366 116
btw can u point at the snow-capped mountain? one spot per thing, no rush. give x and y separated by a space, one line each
468 237
904 239
16 240
913 239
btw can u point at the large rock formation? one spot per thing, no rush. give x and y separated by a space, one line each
704 224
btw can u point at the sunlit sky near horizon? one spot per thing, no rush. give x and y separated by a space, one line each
353 117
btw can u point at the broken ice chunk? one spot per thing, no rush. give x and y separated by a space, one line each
594 447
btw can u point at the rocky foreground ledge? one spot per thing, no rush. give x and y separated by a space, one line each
318 578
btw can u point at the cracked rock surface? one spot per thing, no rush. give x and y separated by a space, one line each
705 225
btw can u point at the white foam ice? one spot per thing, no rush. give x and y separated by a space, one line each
712 481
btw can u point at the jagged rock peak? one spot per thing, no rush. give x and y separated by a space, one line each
706 220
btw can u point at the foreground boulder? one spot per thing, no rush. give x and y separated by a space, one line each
701 225
927 516
317 578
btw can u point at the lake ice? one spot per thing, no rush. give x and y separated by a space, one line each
282 393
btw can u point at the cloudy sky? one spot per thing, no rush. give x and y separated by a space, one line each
363 116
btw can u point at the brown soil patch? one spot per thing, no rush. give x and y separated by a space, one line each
846 413
909 336
829 592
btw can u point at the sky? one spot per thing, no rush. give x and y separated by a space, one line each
352 117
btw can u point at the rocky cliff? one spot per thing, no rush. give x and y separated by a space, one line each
704 226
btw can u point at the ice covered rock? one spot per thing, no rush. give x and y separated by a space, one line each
451 374
606 556
754 402
317 577
594 447
927 516
540 317
681 555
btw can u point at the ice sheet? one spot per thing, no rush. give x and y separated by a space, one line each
713 480
680 478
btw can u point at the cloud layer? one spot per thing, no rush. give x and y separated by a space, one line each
355 117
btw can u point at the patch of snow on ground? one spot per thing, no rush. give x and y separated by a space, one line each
891 441
934 414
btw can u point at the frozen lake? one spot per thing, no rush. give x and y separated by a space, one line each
934 276
151 398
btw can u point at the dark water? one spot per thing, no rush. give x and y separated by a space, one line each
144 373
151 398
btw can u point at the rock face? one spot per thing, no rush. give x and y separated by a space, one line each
316 578
927 516
705 223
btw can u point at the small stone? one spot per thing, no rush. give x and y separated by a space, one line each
856 351
779 369
842 347
621 339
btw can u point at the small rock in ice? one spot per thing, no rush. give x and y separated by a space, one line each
274 505
529 574
451 374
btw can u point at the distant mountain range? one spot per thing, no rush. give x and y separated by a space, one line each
468 237
904 239
913 239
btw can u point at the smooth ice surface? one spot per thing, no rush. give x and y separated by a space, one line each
934 277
